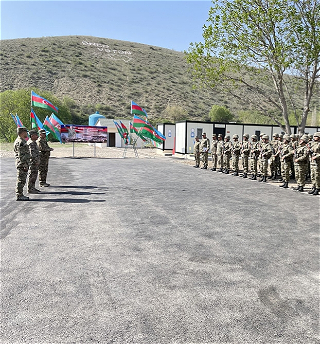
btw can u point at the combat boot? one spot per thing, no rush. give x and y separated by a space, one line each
312 190
235 174
299 188
245 175
22 198
44 184
263 179
213 169
196 166
273 176
34 191
316 192
284 185
254 177
226 171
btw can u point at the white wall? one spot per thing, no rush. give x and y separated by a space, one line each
192 133
180 137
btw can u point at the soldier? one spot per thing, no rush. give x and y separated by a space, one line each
236 150
286 154
293 145
44 158
315 164
227 151
220 145
275 160
254 156
22 156
301 163
204 150
196 151
214 152
245 151
265 155
34 161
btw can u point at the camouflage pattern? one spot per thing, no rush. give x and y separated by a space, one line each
220 149
275 158
301 164
286 154
265 155
22 155
204 150
214 144
34 164
196 152
236 150
254 156
44 150
245 151
227 151
315 164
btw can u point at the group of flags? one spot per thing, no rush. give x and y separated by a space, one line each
140 126
51 124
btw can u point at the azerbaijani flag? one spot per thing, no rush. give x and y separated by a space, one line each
56 123
134 130
14 119
159 136
136 109
47 125
35 121
118 128
19 121
41 102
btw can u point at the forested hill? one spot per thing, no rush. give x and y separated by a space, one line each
106 74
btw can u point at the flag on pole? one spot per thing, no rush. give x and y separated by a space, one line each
119 129
19 121
56 123
136 109
38 101
47 125
135 131
35 121
14 119
147 130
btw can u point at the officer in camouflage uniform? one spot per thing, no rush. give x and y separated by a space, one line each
34 161
214 143
254 156
245 151
44 157
265 155
301 163
236 150
275 160
315 164
204 150
220 145
293 144
227 151
196 152
286 154
22 156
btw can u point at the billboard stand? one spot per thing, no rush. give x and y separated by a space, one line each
73 149
94 150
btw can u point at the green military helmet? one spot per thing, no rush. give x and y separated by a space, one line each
42 131
33 132
254 137
286 137
304 138
262 134
317 134
214 135
246 135
235 136
275 135
219 135
280 136
227 137
310 136
20 130
266 137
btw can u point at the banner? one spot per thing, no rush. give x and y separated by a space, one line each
83 133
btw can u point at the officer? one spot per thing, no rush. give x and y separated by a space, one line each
220 145
301 163
44 157
204 150
245 151
214 143
315 164
254 156
265 155
196 151
22 156
34 161
286 154
227 151
236 150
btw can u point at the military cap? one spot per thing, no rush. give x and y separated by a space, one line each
275 135
297 136
317 134
214 134
21 130
235 136
281 136
286 137
310 136
246 135
42 131
227 137
254 137
219 135
292 136
204 134
262 134
265 137
304 138
33 132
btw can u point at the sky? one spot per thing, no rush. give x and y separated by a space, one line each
166 24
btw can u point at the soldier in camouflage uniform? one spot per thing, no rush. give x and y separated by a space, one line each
44 157
286 154
315 164
204 150
214 152
227 151
34 161
254 156
301 163
220 145
22 156
265 155
236 150
196 152
275 159
245 151
293 144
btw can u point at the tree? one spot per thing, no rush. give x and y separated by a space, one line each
220 114
263 52
175 113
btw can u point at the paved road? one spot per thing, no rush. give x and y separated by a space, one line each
152 251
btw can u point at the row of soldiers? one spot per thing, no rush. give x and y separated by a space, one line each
32 158
288 156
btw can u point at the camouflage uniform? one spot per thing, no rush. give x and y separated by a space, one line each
214 143
236 150
44 160
220 145
315 164
265 154
286 154
301 163
227 151
245 151
254 156
22 156
275 159
34 163
204 150
196 152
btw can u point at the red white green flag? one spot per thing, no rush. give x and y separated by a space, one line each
42 102
35 121
137 110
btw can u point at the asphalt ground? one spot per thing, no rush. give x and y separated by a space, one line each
153 251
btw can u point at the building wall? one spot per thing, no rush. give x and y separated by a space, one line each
197 129
181 137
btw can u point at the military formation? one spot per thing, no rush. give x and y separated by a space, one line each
285 157
32 154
